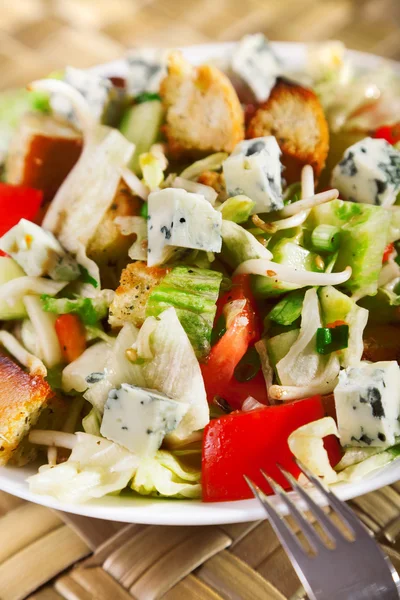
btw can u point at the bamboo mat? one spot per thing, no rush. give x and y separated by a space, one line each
39 36
45 555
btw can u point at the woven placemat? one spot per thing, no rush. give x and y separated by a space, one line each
39 36
48 555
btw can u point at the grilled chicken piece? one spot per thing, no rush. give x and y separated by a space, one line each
42 153
129 304
294 115
22 399
203 112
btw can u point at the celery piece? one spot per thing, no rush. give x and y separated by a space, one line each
193 292
325 238
141 125
9 270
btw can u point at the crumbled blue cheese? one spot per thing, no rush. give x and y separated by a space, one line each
367 400
138 419
255 62
254 169
179 218
146 68
105 100
38 252
369 172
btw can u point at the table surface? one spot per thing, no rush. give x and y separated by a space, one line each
38 36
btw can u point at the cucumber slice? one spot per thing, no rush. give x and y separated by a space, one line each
364 236
141 125
289 253
10 270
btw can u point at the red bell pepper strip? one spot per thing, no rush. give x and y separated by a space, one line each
71 336
243 331
17 202
390 133
387 253
242 443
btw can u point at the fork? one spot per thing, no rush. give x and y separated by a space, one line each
346 569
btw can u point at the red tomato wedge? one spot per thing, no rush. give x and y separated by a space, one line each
387 253
242 443
390 133
17 202
71 336
243 330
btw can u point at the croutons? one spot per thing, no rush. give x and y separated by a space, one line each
42 153
382 342
203 112
214 180
129 304
294 115
22 399
108 244
108 247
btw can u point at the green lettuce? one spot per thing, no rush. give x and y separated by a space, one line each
165 475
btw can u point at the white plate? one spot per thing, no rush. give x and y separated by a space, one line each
132 509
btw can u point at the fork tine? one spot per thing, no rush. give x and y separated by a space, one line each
299 558
326 523
341 508
287 537
305 526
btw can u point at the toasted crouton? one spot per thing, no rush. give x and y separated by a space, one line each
42 153
382 342
129 304
294 115
108 247
214 180
22 399
203 112
108 244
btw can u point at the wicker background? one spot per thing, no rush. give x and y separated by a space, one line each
113 561
51 556
38 36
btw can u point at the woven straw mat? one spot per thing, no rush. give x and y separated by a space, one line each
48 555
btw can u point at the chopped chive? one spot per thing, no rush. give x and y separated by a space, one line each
332 339
326 238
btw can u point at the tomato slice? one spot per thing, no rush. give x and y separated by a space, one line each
71 336
16 203
390 133
243 330
242 443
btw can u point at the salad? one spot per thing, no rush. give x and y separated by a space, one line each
200 274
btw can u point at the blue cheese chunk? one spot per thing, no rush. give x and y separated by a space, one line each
255 62
146 68
139 419
38 252
369 172
177 218
105 100
254 169
367 400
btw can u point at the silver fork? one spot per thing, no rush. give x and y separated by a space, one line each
347 569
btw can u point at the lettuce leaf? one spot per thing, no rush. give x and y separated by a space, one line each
164 475
96 467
